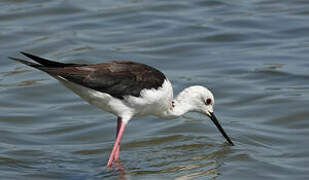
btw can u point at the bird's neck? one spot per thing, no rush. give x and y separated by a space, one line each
180 105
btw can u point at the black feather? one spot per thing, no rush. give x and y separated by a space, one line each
26 62
46 62
117 78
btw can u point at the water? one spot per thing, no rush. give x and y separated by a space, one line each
252 54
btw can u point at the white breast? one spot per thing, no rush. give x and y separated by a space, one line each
152 101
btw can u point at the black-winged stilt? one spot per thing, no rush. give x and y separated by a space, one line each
127 89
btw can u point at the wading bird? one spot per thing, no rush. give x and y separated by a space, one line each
127 89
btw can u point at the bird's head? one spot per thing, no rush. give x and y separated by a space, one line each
202 101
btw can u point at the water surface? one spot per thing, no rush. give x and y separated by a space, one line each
252 54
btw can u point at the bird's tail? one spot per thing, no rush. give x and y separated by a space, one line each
41 62
28 63
44 62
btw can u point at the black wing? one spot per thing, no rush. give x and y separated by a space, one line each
117 78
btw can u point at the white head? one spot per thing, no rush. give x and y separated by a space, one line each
199 99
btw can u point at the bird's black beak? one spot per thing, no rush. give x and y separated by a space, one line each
214 120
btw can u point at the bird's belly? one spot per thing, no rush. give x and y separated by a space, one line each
101 100
93 97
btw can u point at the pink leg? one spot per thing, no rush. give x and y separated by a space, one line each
119 122
116 145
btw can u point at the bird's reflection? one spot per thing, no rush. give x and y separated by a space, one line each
118 166
204 165
200 164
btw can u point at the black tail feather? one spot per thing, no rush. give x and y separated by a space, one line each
26 62
44 62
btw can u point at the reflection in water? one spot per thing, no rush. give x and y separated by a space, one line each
119 167
11 74
210 172
205 165
22 83
273 66
186 169
190 160
14 72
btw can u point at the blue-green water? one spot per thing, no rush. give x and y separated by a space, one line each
252 54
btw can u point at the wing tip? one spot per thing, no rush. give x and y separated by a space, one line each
22 52
23 61
43 61
31 56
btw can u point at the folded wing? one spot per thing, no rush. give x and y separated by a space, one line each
117 78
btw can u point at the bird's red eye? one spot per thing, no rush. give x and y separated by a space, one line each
208 101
